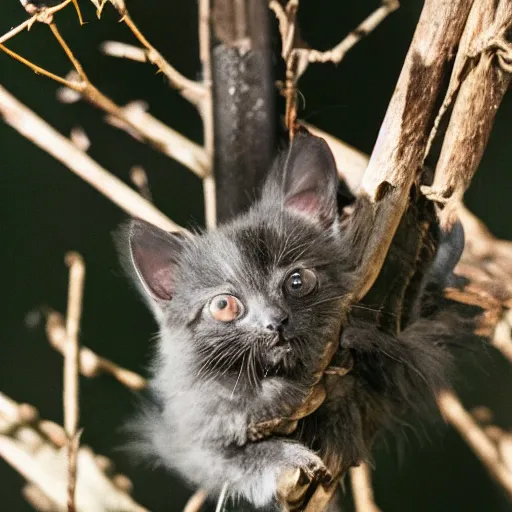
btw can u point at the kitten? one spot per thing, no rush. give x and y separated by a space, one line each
245 313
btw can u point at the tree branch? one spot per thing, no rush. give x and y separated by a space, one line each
71 364
37 450
398 154
480 78
361 480
31 126
91 364
476 438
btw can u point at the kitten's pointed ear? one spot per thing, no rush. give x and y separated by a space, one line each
152 253
311 178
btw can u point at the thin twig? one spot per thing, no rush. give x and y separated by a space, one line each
75 86
71 363
336 54
145 128
362 491
189 89
207 111
91 364
31 126
74 61
141 125
124 51
27 24
37 450
196 501
478 441
140 180
297 55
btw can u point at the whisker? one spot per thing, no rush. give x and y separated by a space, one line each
329 299
238 378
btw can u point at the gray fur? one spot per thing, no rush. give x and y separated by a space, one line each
211 380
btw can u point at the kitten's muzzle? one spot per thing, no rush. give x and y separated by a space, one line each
275 322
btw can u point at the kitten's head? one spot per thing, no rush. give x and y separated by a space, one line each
259 295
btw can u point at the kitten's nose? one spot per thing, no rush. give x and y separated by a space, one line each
276 321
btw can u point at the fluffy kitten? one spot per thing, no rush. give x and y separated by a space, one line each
245 312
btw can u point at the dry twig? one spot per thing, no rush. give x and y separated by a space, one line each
297 55
134 121
46 13
476 438
37 450
71 363
31 126
189 89
361 480
195 502
91 365
207 111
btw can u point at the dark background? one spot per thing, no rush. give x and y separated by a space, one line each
46 210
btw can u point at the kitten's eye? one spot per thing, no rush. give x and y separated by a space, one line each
300 282
225 308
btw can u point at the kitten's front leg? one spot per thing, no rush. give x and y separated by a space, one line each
286 425
293 471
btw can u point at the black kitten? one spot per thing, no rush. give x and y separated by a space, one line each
245 312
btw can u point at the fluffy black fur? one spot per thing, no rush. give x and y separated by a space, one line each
213 379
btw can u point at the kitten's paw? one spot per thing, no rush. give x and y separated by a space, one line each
263 429
297 484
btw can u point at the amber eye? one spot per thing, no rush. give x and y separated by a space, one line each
225 308
300 282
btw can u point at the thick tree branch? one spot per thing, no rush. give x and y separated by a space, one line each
480 78
243 102
398 154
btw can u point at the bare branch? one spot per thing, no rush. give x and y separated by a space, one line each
124 51
297 55
41 459
77 87
398 152
134 119
337 53
140 180
43 14
478 85
478 441
31 126
207 111
71 376
362 491
147 129
91 364
195 501
189 89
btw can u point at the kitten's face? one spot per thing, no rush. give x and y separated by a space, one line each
261 295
